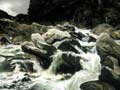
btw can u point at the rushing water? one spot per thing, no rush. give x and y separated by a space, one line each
90 62
91 69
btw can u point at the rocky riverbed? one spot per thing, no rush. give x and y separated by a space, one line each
59 57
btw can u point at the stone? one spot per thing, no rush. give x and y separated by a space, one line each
65 62
68 45
107 46
39 42
22 66
5 66
54 34
110 62
41 49
96 85
103 28
110 76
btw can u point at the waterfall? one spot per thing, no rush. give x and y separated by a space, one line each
91 69
90 62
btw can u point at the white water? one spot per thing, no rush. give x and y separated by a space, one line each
90 72
90 62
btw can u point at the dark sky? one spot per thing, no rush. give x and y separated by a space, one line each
14 7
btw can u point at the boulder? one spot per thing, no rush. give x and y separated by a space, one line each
96 85
109 52
65 62
10 53
68 45
103 28
41 49
54 34
110 76
107 46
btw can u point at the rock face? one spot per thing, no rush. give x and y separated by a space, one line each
87 12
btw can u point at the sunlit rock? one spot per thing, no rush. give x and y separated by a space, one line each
54 34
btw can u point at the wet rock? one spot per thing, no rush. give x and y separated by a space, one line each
68 45
107 46
111 76
5 40
54 34
65 62
22 66
11 53
103 28
14 81
96 85
5 66
41 49
110 62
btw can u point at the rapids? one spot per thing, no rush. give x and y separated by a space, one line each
90 62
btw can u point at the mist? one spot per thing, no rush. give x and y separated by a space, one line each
14 7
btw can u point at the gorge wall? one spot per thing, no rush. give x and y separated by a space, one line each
86 12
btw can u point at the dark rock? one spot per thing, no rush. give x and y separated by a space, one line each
65 62
22 65
5 66
110 76
68 45
96 85
110 62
